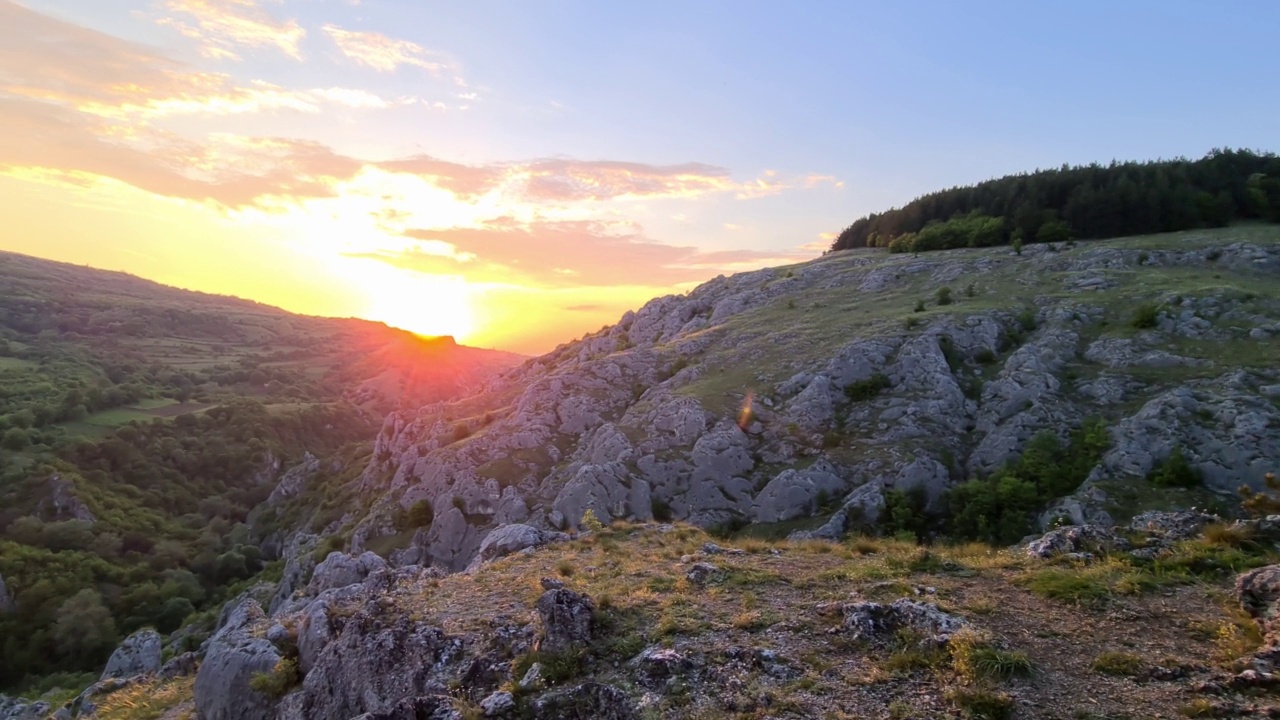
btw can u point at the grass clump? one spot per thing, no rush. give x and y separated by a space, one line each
980 704
1067 585
277 682
1118 663
976 659
144 701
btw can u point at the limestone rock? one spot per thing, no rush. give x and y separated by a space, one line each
497 704
877 623
180 666
507 539
1075 539
588 701
433 707
139 654
568 620
234 656
375 662
703 573
340 570
796 493
1258 591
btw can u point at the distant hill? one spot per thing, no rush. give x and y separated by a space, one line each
141 424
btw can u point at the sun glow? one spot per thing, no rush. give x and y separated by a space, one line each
423 304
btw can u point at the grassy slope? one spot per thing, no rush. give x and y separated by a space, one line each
812 324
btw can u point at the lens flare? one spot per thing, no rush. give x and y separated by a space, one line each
745 415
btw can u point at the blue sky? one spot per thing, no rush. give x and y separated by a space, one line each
737 132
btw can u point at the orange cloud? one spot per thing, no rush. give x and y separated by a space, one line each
222 25
570 254
380 52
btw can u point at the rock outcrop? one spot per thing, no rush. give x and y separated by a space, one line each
234 656
139 654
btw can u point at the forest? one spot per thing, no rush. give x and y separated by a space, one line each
1081 202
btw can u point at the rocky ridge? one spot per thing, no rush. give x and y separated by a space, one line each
770 396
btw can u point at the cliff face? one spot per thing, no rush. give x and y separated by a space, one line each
763 396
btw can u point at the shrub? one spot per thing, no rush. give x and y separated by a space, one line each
866 389
1145 316
1027 319
985 356
912 323
970 290
1143 257
277 682
661 510
420 515
1261 504
591 522
460 504
1175 471
1016 243
919 306
944 296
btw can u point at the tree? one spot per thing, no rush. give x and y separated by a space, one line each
83 627
1054 231
1017 241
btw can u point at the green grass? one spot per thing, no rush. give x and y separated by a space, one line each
1118 663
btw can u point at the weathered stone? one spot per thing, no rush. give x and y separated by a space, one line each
433 707
180 666
340 570
498 704
139 654
1258 591
1075 539
878 623
375 662
568 620
588 701
703 573
234 657
508 539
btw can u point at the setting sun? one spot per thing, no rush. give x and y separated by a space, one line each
428 305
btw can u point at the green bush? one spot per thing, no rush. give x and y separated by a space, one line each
944 296
277 682
866 389
1175 471
1145 316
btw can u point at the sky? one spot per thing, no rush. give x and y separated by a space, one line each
517 174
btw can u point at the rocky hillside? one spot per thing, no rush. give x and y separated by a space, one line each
767 397
636 622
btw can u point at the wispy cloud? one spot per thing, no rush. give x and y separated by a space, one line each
222 26
570 254
383 53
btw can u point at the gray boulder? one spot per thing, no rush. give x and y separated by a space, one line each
588 701
340 570
508 539
235 655
878 623
432 707
796 493
139 654
378 660
568 620
1172 526
1258 591
180 666
1075 539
